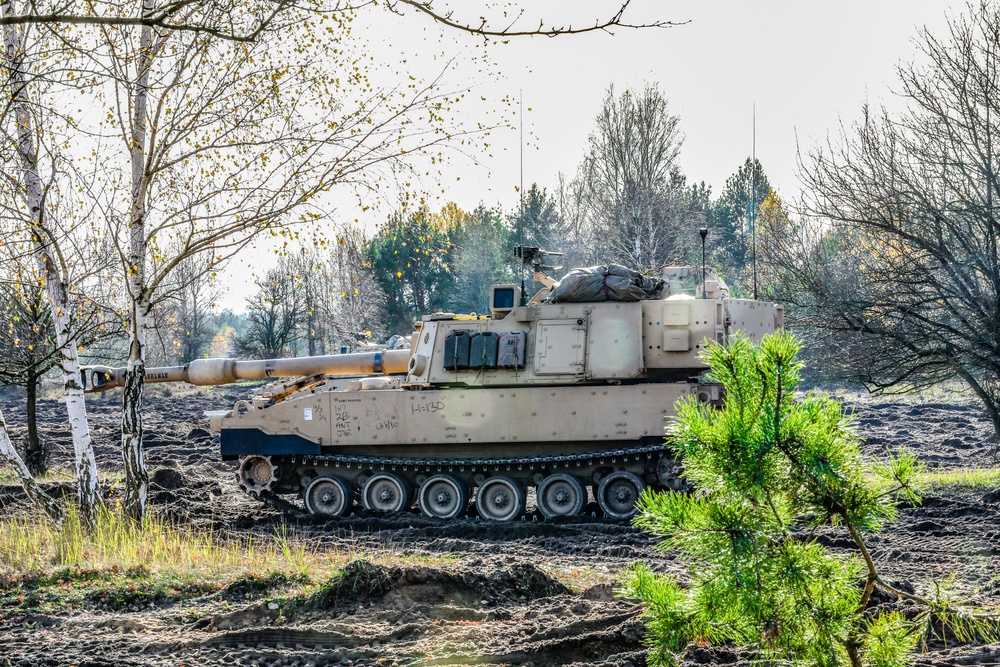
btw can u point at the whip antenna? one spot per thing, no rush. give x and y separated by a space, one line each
520 191
753 197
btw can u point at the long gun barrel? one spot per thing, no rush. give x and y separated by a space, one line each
207 372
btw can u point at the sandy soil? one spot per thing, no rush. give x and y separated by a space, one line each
500 601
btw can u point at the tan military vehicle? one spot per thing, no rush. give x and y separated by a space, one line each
557 398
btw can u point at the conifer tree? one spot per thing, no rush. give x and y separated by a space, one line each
773 468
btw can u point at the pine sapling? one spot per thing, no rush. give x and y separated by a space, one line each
771 469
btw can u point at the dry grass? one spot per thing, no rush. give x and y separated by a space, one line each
579 579
32 545
122 566
57 475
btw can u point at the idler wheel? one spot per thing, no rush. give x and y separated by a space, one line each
328 496
560 495
618 494
256 474
442 497
385 492
500 499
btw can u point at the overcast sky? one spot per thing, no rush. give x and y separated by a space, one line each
806 66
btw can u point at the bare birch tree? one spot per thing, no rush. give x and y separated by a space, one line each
52 264
228 141
631 185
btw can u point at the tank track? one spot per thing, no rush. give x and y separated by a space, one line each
585 458
602 457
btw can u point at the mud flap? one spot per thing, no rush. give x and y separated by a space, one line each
236 442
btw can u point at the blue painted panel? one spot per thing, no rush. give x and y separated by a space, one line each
236 442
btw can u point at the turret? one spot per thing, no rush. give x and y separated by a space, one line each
603 324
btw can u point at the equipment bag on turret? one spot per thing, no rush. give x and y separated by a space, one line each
604 283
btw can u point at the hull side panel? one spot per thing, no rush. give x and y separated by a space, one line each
466 419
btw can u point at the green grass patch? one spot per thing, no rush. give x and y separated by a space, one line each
974 479
113 589
948 481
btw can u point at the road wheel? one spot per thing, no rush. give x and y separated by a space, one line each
442 497
385 492
560 495
328 496
618 494
500 499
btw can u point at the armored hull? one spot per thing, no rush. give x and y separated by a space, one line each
401 438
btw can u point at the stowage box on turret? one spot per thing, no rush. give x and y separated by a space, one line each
563 396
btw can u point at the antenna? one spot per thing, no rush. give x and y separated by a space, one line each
520 190
753 198
704 232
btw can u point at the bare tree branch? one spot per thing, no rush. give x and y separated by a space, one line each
218 18
484 29
174 16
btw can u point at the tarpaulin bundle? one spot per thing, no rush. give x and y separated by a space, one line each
604 283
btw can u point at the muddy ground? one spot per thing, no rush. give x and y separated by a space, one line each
500 601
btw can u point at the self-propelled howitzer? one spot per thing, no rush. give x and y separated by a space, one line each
563 396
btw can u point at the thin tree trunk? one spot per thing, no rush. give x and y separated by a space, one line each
989 402
136 475
33 452
41 500
45 253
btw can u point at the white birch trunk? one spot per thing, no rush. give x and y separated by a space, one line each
136 475
44 251
36 495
